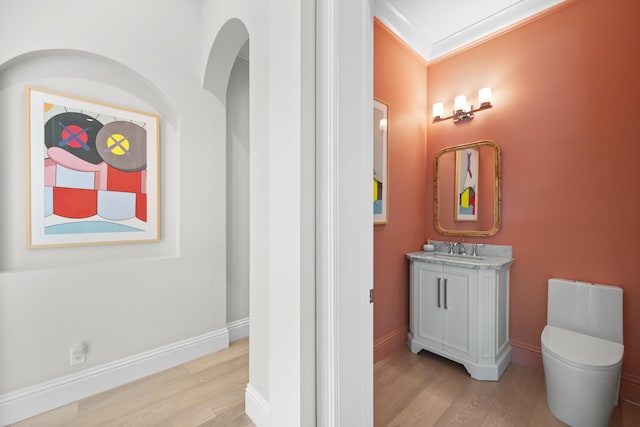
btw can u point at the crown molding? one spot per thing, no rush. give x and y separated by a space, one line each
397 22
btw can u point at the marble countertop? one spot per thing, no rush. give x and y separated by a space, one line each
467 261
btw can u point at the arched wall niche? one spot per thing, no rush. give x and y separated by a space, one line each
76 64
228 43
101 79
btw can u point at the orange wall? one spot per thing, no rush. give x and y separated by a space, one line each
566 89
400 80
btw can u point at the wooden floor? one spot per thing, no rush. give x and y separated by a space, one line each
208 391
409 390
427 390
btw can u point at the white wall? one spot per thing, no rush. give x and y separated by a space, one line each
282 360
238 192
154 55
157 57
344 240
121 299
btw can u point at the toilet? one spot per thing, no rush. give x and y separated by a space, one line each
582 351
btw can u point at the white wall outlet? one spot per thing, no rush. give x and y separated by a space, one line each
78 354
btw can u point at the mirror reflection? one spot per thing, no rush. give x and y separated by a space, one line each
467 194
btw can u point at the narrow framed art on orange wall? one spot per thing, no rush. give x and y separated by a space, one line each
380 162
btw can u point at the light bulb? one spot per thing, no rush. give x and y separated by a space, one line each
438 109
484 96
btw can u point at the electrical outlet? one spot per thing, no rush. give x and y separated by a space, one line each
78 354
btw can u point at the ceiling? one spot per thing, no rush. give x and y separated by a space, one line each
434 28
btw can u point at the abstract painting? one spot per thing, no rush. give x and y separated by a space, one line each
466 197
380 167
92 172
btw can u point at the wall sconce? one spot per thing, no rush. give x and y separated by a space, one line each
462 111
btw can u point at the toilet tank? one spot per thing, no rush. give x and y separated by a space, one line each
590 309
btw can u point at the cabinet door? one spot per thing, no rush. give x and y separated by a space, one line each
457 311
429 304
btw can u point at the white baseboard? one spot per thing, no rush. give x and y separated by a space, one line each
256 407
238 329
33 400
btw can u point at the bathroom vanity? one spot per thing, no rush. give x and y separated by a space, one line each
460 307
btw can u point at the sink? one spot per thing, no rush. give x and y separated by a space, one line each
455 256
492 257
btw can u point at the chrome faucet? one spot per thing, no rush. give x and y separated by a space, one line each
461 249
475 248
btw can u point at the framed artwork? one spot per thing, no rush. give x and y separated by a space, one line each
380 167
92 172
466 185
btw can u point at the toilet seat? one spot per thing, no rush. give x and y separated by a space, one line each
581 351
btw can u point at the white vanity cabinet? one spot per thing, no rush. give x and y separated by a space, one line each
460 310
441 309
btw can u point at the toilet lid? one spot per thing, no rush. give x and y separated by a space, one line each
581 350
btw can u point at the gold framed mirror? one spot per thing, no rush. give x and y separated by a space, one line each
467 189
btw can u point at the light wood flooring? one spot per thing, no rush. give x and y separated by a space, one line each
208 391
427 390
409 390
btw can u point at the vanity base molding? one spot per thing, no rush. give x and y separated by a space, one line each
478 371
